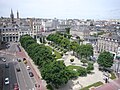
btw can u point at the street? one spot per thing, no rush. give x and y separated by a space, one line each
22 77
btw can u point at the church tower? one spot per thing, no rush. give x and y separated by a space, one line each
12 16
17 15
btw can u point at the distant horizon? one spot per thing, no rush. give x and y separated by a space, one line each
63 18
62 9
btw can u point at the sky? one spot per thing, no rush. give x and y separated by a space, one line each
62 9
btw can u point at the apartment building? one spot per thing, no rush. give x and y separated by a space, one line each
37 28
109 42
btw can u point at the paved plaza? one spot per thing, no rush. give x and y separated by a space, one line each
81 81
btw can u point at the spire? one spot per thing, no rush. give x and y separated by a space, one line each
12 16
11 11
17 14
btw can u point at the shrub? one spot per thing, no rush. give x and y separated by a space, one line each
61 54
58 48
84 61
55 46
90 66
65 51
88 71
49 87
54 55
73 74
82 71
61 49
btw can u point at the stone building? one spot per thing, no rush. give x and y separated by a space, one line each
109 42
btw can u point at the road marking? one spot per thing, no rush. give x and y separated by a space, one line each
28 74
23 77
33 88
16 76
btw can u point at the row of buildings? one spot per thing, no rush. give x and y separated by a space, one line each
11 29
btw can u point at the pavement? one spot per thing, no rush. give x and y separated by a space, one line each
34 69
22 78
113 85
1 78
8 72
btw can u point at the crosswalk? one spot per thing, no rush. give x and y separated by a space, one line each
32 89
8 53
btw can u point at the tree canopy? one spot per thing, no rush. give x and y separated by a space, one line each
105 59
81 50
54 72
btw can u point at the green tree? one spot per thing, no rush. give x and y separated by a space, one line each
105 59
90 66
67 30
55 73
84 61
41 39
85 51
82 71
79 40
44 40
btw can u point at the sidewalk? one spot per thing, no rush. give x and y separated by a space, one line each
34 69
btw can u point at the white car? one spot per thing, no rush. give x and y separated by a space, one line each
28 67
3 59
6 81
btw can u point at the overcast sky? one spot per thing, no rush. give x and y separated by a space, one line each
81 9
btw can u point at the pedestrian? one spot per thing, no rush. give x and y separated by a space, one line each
35 85
106 80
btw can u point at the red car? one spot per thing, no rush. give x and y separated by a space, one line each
16 87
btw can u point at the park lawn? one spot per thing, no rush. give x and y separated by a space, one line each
70 67
58 55
112 75
92 85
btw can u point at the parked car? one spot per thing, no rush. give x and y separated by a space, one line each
24 60
18 59
28 67
18 69
31 74
3 59
6 81
6 65
16 87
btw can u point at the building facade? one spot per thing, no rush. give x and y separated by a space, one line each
109 42
9 34
0 38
